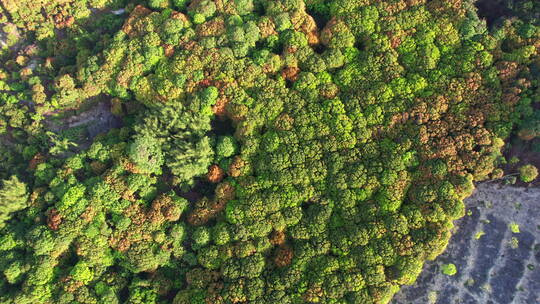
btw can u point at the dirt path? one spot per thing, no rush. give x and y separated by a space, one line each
492 268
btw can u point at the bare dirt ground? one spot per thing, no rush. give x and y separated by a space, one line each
97 118
494 264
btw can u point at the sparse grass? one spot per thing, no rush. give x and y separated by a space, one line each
514 227
510 180
514 243
432 297
479 234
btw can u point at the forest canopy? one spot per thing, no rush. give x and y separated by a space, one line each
250 151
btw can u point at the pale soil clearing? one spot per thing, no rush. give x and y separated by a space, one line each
494 264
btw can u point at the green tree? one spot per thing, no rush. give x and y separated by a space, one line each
82 272
145 151
13 197
225 147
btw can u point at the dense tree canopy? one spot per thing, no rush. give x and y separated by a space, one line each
267 151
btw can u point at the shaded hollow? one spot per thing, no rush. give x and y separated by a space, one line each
320 19
222 126
493 10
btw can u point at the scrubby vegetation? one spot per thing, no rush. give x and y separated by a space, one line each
528 173
449 269
269 151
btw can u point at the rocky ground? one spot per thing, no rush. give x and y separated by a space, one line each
494 264
97 119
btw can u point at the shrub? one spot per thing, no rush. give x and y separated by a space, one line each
449 269
528 173
514 227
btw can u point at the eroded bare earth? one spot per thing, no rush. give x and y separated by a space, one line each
490 267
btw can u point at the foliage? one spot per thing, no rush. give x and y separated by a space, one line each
449 269
528 173
225 147
146 153
13 197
